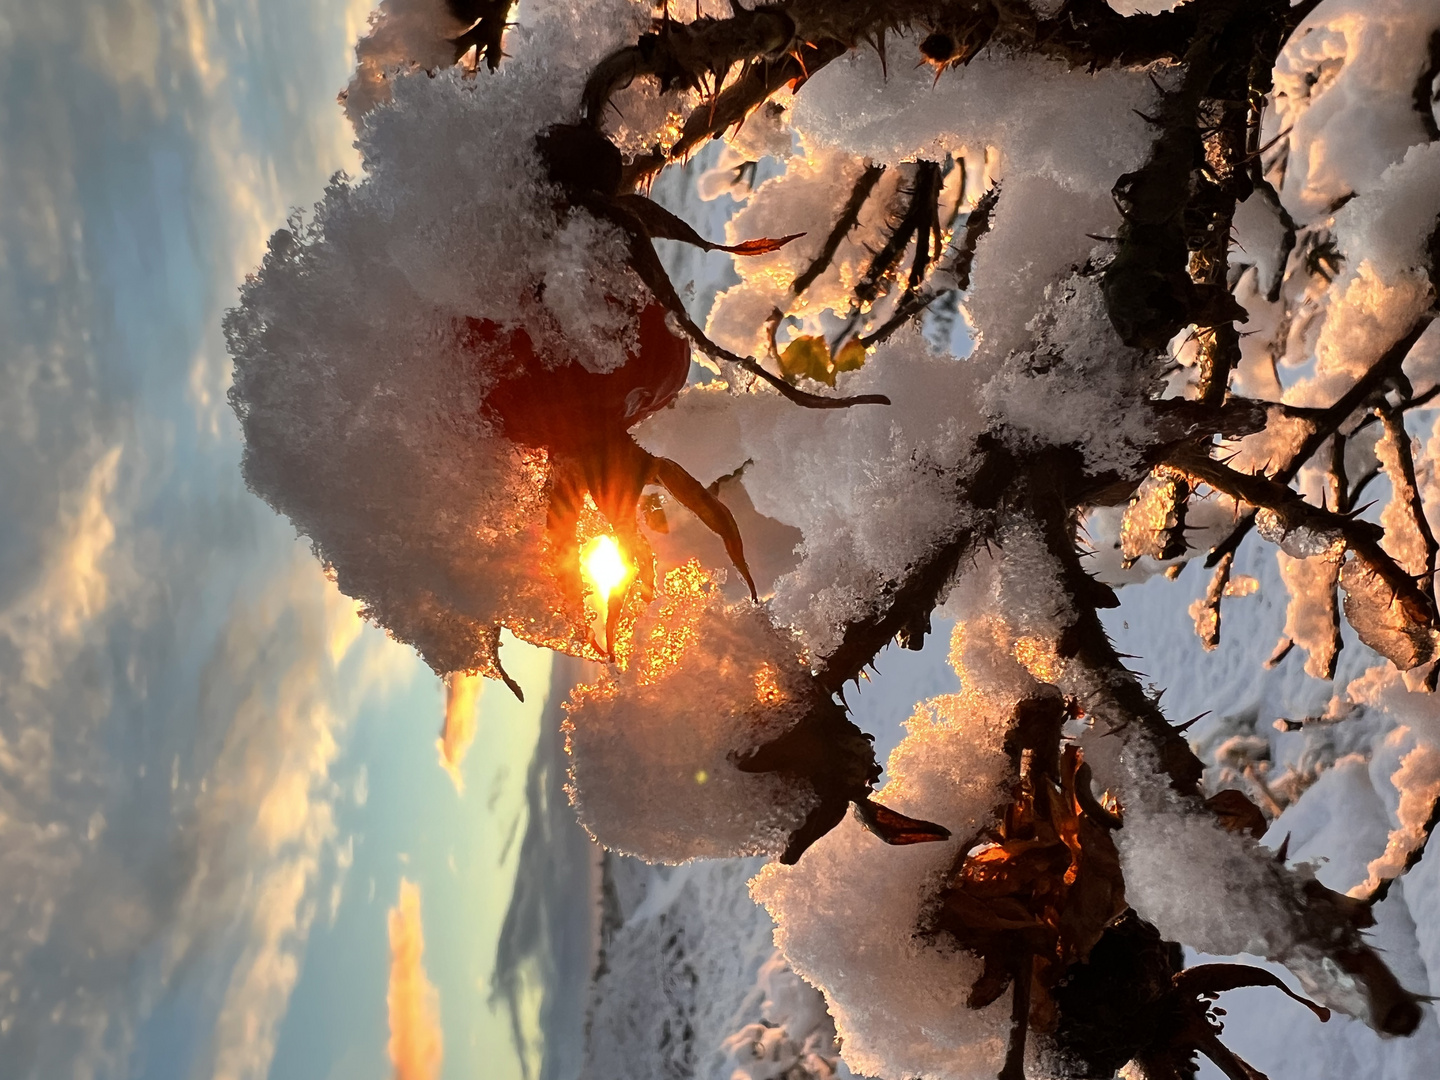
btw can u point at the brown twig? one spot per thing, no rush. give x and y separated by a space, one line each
849 216
1294 513
1387 367
1207 612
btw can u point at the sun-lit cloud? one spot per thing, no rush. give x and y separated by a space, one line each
416 1042
462 693
263 824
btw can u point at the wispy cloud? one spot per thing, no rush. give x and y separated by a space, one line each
462 694
416 1041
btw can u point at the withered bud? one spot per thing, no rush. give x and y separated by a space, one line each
939 47
580 159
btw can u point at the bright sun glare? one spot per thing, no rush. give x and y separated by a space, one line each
604 565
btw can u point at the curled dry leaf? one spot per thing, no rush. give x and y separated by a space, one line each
1037 893
1234 810
1392 625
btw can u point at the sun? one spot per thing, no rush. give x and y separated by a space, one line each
604 566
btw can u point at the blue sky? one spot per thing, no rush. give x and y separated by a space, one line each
205 759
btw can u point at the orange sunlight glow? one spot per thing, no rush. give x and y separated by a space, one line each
684 597
767 685
604 566
416 1043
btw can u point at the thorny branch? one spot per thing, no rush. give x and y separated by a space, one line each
956 269
849 217
1386 369
1170 269
1294 513
1328 921
787 42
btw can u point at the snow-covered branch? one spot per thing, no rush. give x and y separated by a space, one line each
1083 272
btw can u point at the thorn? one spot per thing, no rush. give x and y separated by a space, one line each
1188 724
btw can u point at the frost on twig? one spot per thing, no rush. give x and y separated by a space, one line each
1206 611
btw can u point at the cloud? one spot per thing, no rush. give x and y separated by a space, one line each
262 828
462 693
416 1041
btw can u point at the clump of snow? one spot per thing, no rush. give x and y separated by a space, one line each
1210 889
1312 616
1344 87
1302 541
1063 124
1418 782
1149 518
358 386
655 747
1403 538
1386 174
851 914
846 479
642 116
404 34
1077 384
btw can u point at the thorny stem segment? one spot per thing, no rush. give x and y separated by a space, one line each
1329 421
1115 695
1361 537
787 42
849 217
921 222
977 224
